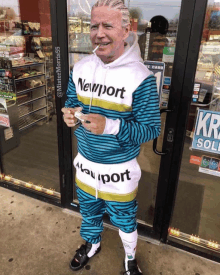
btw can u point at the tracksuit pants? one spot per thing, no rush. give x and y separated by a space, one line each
122 215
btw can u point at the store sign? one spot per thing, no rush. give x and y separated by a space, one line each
195 160
210 49
4 117
58 72
165 92
207 132
168 54
210 166
157 68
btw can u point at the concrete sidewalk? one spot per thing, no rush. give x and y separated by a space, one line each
37 238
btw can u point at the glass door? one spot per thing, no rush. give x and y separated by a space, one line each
195 220
156 25
28 121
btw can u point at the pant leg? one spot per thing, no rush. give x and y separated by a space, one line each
123 214
92 212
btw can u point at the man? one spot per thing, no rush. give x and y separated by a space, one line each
118 97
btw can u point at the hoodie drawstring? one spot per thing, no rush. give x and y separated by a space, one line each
106 75
91 89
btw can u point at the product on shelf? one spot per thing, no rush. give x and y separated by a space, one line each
24 61
34 83
31 28
36 44
3 109
25 74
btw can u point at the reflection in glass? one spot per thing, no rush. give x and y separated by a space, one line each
29 143
197 203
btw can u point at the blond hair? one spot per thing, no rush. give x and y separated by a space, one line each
117 5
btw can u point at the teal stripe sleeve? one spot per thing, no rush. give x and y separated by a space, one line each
146 124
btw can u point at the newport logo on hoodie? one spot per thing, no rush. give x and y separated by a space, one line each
101 89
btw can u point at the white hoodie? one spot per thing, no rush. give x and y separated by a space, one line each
113 86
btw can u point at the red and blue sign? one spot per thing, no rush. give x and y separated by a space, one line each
207 132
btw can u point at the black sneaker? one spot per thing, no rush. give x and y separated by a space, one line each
132 268
81 259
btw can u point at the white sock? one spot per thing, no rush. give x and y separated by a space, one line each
129 241
93 249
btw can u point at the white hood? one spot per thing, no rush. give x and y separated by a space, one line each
131 54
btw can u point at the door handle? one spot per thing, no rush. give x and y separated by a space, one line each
155 140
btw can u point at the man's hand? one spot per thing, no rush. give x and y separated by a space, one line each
96 125
68 116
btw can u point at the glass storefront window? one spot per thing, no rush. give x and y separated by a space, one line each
196 213
28 128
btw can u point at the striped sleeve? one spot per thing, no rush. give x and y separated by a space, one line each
146 124
72 100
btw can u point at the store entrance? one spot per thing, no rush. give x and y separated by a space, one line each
36 146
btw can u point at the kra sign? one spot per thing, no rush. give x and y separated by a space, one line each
207 132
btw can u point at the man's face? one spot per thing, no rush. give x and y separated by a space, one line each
107 30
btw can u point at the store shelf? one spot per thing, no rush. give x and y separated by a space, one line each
47 50
24 110
27 65
49 64
23 98
200 104
32 112
24 102
29 77
30 90
49 77
30 121
46 41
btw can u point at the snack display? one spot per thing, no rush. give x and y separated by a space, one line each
31 28
24 74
